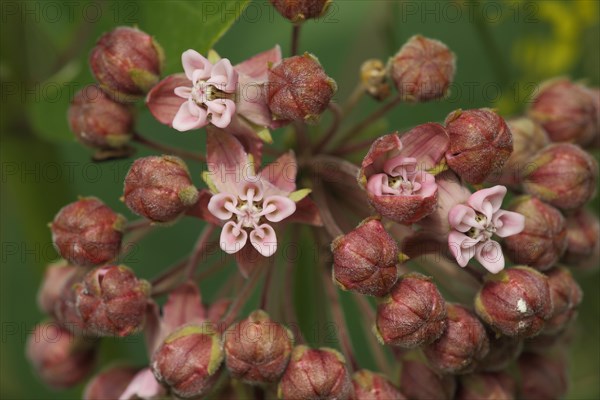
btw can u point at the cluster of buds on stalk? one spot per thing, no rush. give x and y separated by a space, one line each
473 296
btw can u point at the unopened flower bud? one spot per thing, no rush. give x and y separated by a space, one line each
315 374
515 302
126 62
87 232
528 138
300 10
583 239
480 143
257 350
566 296
566 110
563 175
413 314
99 122
299 89
159 188
487 385
65 309
373 75
503 351
462 345
112 301
423 69
542 377
420 382
59 358
109 384
372 386
188 360
56 280
366 259
543 240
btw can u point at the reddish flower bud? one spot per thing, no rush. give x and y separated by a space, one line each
423 69
566 296
159 188
112 301
462 345
542 377
87 232
563 175
56 280
544 239
503 351
59 358
480 143
257 350
373 75
371 386
299 89
515 302
315 374
566 110
583 239
126 62
300 10
109 384
366 259
99 122
420 382
65 309
188 360
528 138
484 386
413 314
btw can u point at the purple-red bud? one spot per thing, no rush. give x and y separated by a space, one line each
87 232
583 239
299 89
566 110
366 259
372 386
257 350
413 314
423 69
480 143
300 10
99 122
315 374
543 240
462 345
126 62
109 384
111 300
188 360
563 175
487 386
515 302
420 382
542 377
566 296
503 351
57 278
59 358
159 188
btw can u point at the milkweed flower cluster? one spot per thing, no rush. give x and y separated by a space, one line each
491 211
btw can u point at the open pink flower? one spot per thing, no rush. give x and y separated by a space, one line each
473 224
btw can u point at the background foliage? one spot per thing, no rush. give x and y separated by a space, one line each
504 48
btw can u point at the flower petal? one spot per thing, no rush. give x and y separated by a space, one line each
184 92
233 238
277 208
461 247
487 201
489 254
257 66
462 218
252 102
427 143
508 223
162 101
221 111
189 117
282 172
223 76
401 166
193 61
220 205
264 240
226 160
143 386
378 185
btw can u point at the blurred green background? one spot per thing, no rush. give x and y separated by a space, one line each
504 49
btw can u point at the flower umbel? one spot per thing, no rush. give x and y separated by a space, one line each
473 224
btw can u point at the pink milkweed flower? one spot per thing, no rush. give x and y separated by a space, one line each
474 223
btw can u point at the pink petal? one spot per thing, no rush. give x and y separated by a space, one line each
462 218
183 91
427 143
252 102
223 76
221 111
382 149
378 185
461 247
245 133
258 65
189 117
143 386
227 161
489 254
429 186
162 101
508 223
264 240
399 164
487 201
193 61
200 209
282 207
220 205
233 238
184 306
282 172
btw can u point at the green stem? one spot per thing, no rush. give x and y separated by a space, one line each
163 148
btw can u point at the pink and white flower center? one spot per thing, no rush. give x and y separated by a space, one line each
400 177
